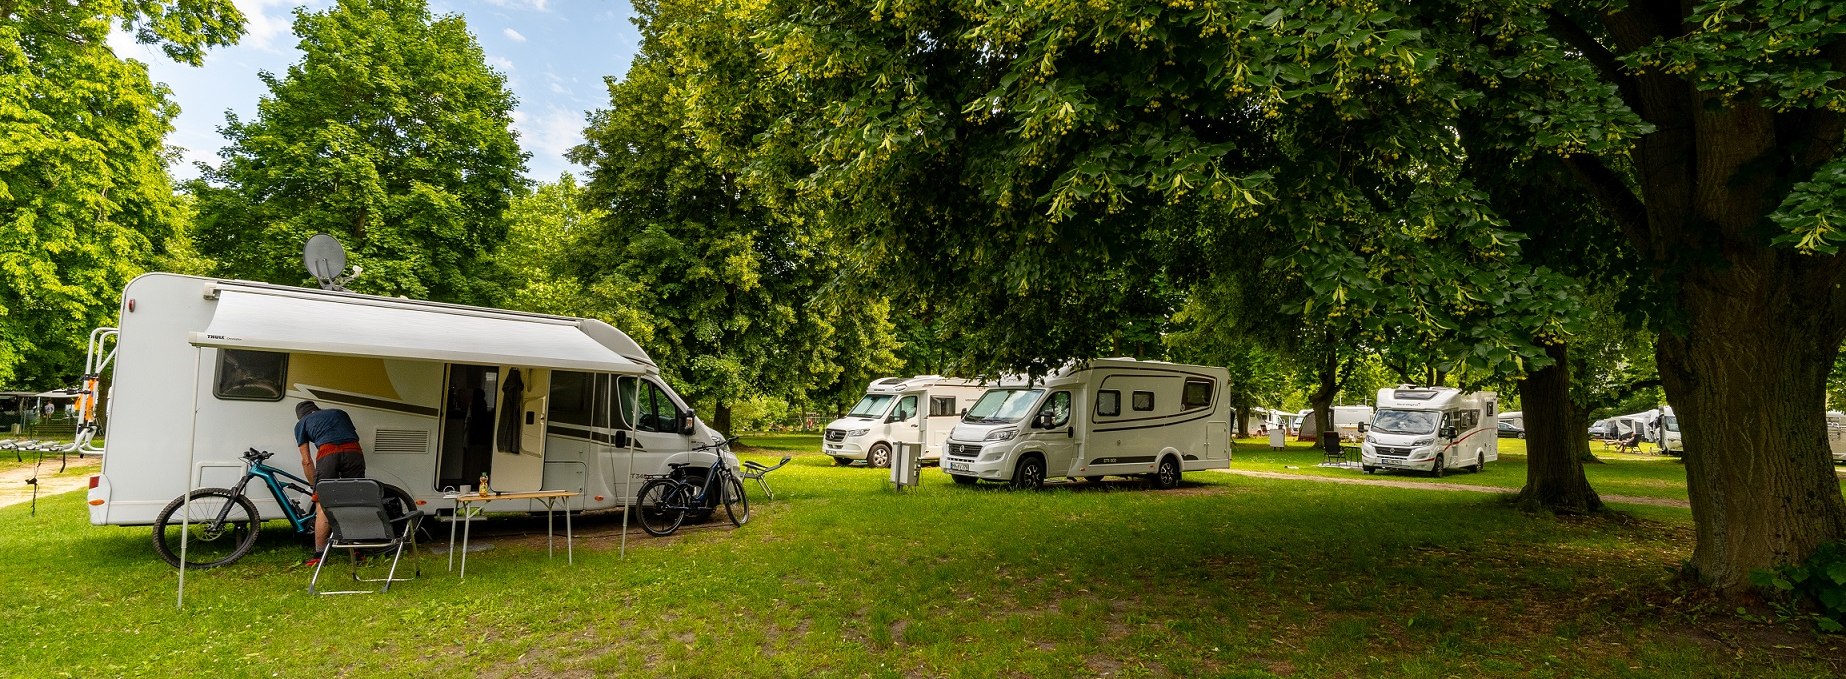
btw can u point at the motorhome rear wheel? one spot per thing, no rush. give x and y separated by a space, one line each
1167 477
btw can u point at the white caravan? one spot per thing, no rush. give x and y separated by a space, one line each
896 410
440 394
1431 429
1516 417
1106 417
1836 435
1346 421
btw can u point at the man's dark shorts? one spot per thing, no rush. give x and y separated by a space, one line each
339 466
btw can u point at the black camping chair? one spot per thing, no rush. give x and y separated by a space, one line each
758 470
1331 450
360 520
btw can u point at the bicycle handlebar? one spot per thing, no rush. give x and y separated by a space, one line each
255 455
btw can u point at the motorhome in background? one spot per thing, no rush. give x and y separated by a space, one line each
1431 429
1515 417
1346 421
440 394
1836 435
895 410
1105 417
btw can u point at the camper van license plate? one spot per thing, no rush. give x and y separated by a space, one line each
958 466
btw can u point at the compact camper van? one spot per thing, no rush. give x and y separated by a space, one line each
1431 429
895 410
441 394
1106 417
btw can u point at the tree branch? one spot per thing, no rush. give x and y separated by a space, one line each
1609 189
1601 57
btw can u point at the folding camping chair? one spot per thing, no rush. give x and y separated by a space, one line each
757 470
356 510
1331 450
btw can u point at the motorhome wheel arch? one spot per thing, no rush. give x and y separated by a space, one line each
440 394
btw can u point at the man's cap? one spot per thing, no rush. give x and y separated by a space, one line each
303 408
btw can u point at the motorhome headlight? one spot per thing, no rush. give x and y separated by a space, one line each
1005 434
1422 442
858 432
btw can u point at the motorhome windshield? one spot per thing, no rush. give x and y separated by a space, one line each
873 405
1405 421
1672 422
1003 405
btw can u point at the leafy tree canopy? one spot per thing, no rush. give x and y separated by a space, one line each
392 134
85 199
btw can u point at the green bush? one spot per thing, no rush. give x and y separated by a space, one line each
1821 580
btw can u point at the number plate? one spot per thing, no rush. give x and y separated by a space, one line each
958 466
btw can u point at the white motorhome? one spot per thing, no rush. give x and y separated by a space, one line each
1516 417
1836 435
1106 417
1431 429
440 394
1346 421
895 410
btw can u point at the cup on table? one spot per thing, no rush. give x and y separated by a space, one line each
463 489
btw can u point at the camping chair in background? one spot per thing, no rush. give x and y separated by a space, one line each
1331 450
757 470
356 510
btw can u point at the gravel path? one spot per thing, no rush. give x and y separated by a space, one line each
14 490
1627 499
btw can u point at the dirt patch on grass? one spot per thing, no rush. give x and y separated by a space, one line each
14 489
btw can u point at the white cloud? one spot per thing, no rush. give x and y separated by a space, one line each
513 35
535 5
269 24
547 136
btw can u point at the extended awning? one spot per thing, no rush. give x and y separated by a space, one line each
308 322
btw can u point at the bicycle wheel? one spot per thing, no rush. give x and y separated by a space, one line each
210 542
736 504
661 506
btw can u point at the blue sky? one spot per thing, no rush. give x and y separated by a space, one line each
554 53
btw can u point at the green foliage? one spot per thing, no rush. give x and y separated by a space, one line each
545 228
735 281
392 134
85 199
1820 580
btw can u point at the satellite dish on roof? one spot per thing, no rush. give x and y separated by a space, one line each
325 259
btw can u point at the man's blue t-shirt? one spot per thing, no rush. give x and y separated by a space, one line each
323 427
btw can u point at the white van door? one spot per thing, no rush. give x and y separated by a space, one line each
1058 440
519 434
656 425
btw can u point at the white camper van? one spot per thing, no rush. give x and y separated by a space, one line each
895 410
1106 417
1431 429
440 393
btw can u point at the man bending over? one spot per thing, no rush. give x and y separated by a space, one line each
337 456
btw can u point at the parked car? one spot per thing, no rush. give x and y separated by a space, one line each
1509 430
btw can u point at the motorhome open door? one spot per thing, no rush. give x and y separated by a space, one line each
519 435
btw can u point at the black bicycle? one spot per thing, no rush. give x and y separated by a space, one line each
223 522
667 501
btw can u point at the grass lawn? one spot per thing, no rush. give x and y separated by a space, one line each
1227 576
1637 475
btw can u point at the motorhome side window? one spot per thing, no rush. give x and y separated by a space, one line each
1059 408
245 375
658 413
906 409
1196 395
1108 403
941 406
1143 400
573 395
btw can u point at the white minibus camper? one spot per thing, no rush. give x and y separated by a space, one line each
1106 417
1431 429
441 394
896 410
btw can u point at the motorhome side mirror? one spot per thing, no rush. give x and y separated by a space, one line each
621 438
1042 421
1364 427
685 422
1448 432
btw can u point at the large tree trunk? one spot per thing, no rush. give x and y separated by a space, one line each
1555 444
721 418
1321 401
1747 378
